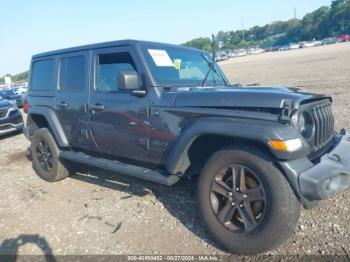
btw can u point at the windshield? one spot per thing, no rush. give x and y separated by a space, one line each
171 66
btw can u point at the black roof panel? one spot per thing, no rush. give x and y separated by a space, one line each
105 45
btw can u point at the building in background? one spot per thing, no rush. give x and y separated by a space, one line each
8 80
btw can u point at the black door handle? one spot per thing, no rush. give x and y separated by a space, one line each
96 107
62 104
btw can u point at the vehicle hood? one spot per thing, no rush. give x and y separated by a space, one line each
13 97
240 97
5 103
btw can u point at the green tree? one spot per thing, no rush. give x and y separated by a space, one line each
203 43
340 17
323 22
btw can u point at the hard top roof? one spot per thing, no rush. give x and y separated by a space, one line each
128 42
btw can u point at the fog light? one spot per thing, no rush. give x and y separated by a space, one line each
326 184
336 183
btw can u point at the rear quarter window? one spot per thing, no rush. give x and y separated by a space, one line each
72 74
43 75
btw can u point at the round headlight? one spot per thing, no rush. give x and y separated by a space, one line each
301 123
306 125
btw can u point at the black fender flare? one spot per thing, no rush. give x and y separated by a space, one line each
261 131
54 124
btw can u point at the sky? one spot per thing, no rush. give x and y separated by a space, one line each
28 27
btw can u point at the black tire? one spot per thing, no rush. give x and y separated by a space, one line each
280 209
58 169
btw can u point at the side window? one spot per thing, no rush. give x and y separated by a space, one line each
107 68
72 74
43 75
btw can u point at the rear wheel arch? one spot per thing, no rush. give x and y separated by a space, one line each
35 122
44 117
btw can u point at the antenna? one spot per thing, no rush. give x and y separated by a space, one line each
213 47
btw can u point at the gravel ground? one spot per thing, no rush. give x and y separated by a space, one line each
97 212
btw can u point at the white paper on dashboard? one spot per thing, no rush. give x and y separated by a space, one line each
160 57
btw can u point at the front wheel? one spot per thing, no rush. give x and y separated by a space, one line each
246 203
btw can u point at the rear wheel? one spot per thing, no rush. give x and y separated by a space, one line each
246 203
45 154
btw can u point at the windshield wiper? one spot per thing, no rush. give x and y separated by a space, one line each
212 68
212 65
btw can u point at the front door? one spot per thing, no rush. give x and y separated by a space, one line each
72 96
118 120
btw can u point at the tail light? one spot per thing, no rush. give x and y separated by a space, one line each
25 107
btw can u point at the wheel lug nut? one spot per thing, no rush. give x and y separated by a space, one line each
245 196
230 193
233 204
240 205
237 189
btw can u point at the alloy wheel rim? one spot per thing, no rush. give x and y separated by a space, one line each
238 199
44 156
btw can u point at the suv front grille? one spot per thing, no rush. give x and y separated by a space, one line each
324 125
3 112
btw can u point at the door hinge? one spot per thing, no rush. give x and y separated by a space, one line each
84 133
144 142
287 107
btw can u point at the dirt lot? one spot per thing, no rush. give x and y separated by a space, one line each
97 212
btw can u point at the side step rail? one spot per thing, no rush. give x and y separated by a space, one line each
119 167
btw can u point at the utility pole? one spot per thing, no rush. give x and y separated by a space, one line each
242 24
295 12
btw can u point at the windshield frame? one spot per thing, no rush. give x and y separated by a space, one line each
142 49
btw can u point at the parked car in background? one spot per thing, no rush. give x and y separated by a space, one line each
344 38
12 96
10 117
306 44
293 46
329 41
21 90
217 58
255 50
241 52
231 54
284 48
276 48
223 56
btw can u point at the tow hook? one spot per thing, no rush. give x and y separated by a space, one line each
335 157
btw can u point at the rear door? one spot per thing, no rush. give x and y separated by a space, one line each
72 96
118 120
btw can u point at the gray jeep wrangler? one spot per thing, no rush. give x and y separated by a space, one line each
162 112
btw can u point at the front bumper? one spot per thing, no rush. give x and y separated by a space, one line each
10 128
13 122
329 176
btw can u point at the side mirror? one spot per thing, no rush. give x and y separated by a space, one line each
128 80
